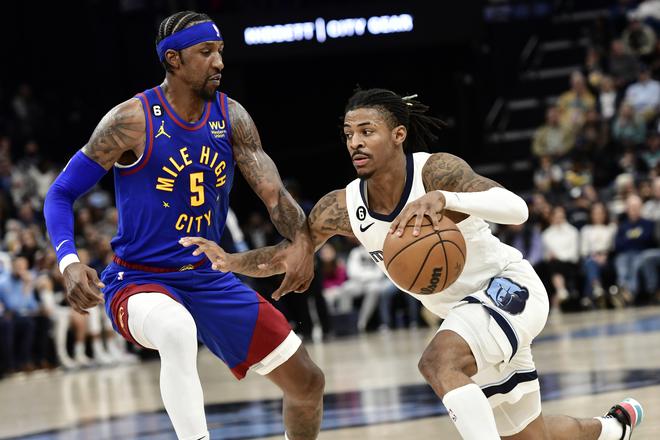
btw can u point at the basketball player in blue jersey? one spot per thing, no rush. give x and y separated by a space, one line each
173 150
479 362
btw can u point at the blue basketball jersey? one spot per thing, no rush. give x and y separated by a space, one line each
179 186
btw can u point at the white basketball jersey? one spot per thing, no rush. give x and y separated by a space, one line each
486 256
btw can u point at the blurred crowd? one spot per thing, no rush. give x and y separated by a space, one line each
593 232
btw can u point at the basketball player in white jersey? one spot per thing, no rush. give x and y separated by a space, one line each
479 362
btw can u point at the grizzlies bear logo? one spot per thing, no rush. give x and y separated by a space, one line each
507 295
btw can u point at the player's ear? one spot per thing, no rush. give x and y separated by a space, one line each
399 134
173 58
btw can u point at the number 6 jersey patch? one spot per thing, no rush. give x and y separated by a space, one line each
507 295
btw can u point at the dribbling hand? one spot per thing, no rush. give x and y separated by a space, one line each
431 205
83 287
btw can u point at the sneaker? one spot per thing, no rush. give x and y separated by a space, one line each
617 300
629 413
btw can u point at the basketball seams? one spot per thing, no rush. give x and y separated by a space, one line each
444 252
458 248
421 266
412 260
406 247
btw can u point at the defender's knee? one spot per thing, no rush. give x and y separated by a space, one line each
314 383
172 329
309 386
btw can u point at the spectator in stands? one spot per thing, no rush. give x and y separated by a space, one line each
639 38
6 340
596 244
644 95
577 212
623 65
631 163
27 111
578 175
552 138
362 278
633 236
629 129
651 154
592 138
29 245
648 9
624 185
365 280
334 276
651 208
574 103
59 315
608 99
593 67
17 294
385 304
548 177
540 210
526 238
560 246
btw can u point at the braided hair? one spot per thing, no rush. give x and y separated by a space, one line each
397 110
177 22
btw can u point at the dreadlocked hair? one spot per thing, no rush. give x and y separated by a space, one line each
398 110
175 23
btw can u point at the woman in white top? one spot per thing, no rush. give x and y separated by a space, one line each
596 240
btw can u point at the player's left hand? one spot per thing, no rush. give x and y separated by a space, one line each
431 205
220 260
298 259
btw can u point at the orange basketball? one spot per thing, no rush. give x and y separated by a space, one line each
428 263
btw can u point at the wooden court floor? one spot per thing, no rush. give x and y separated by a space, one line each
586 362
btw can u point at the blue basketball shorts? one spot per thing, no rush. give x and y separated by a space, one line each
233 321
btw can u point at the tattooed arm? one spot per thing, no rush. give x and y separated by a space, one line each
328 218
261 173
287 216
454 189
119 137
120 133
444 171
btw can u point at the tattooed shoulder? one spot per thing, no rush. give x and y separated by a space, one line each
451 173
121 130
244 131
330 217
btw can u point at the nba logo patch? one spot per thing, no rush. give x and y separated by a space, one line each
507 295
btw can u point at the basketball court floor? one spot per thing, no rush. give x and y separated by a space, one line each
586 362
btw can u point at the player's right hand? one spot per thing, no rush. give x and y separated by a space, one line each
220 260
83 287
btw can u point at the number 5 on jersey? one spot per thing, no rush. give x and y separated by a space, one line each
197 189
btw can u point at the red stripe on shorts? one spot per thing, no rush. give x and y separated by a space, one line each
270 330
119 306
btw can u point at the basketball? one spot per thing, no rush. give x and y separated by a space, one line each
428 263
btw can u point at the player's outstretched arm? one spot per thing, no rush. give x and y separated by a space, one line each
120 132
452 184
329 217
288 217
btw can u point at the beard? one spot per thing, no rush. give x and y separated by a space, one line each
207 92
365 174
